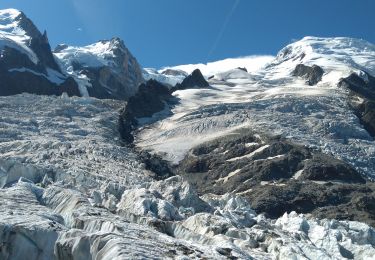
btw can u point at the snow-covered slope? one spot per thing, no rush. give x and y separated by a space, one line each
337 56
272 101
251 63
173 75
105 69
168 79
13 35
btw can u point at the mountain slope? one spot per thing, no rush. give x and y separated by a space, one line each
105 69
273 101
300 128
26 61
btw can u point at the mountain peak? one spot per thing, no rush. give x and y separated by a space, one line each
15 22
9 14
103 69
337 56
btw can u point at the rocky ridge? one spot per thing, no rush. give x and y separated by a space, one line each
26 62
105 69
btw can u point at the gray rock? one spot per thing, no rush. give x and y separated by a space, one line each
194 80
277 176
312 74
364 87
149 100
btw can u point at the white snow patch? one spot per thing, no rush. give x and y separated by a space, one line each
297 174
230 175
260 149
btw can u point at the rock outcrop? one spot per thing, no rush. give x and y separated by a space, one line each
194 80
362 86
277 176
312 74
150 99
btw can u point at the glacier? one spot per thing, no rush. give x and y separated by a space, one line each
272 101
72 188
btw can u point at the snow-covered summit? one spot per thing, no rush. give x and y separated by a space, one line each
98 54
8 20
110 57
338 57
248 63
13 35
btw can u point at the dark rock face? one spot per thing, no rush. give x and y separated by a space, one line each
360 86
312 74
325 168
194 80
150 99
122 80
38 43
19 74
242 68
367 116
276 176
366 90
156 164
18 82
338 201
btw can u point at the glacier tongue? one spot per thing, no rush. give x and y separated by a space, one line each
93 198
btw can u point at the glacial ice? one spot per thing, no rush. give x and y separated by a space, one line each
71 190
271 101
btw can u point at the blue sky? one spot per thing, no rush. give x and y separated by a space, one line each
172 32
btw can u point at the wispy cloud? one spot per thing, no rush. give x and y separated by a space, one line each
79 29
222 30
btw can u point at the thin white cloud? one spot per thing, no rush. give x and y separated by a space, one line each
222 30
